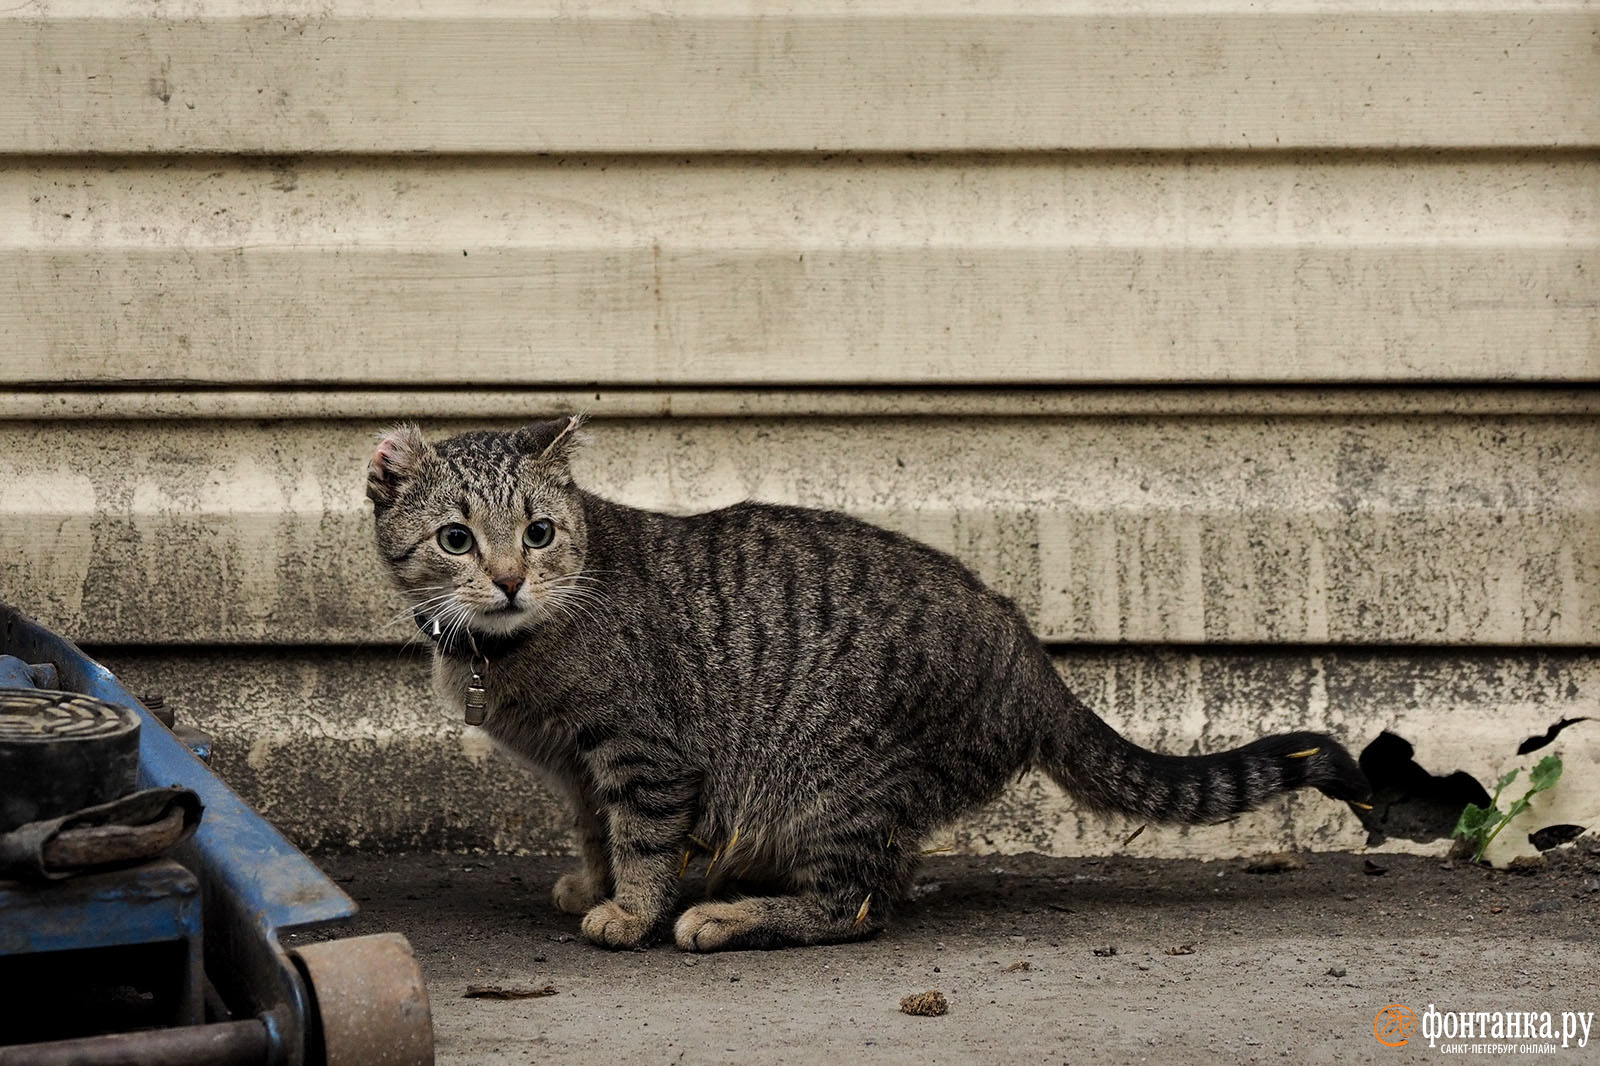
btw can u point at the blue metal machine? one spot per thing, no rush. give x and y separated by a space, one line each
216 907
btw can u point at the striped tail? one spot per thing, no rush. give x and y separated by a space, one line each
1099 766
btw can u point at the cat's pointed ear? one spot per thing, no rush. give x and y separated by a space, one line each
397 459
554 441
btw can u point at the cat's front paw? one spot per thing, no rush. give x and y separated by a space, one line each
713 926
577 892
613 926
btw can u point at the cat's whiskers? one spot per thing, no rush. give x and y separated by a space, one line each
553 605
439 606
576 602
572 598
571 608
451 621
577 594
409 613
441 596
583 581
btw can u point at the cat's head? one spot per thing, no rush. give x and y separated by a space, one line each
483 530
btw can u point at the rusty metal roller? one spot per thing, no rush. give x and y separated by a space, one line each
61 752
370 1001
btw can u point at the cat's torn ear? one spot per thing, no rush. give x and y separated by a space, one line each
396 461
554 441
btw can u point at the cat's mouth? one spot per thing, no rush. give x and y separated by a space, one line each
505 619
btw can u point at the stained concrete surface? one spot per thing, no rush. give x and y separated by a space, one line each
1354 529
1285 967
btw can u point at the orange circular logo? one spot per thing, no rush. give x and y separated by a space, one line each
1393 1024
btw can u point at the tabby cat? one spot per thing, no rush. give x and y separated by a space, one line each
803 695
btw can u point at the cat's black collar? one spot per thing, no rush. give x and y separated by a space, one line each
465 644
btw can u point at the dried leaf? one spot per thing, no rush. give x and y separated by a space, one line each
929 1004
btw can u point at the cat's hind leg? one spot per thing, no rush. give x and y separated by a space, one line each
762 922
836 899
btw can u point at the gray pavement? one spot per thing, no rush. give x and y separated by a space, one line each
1041 960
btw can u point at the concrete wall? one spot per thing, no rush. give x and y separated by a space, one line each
1252 348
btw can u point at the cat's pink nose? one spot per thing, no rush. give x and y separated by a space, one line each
509 585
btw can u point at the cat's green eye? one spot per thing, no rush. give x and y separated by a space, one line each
455 539
539 534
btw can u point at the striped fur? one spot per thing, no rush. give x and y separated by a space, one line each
794 697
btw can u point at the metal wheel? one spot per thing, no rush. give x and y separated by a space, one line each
370 1001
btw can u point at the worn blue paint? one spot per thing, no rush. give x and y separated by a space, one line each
14 673
147 904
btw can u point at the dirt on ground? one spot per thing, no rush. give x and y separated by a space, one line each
1039 960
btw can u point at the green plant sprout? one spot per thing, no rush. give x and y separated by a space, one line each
1480 825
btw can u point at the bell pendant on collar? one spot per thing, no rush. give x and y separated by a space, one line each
477 702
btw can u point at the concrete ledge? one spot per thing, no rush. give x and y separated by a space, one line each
1343 530
348 747
709 75
357 403
959 270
